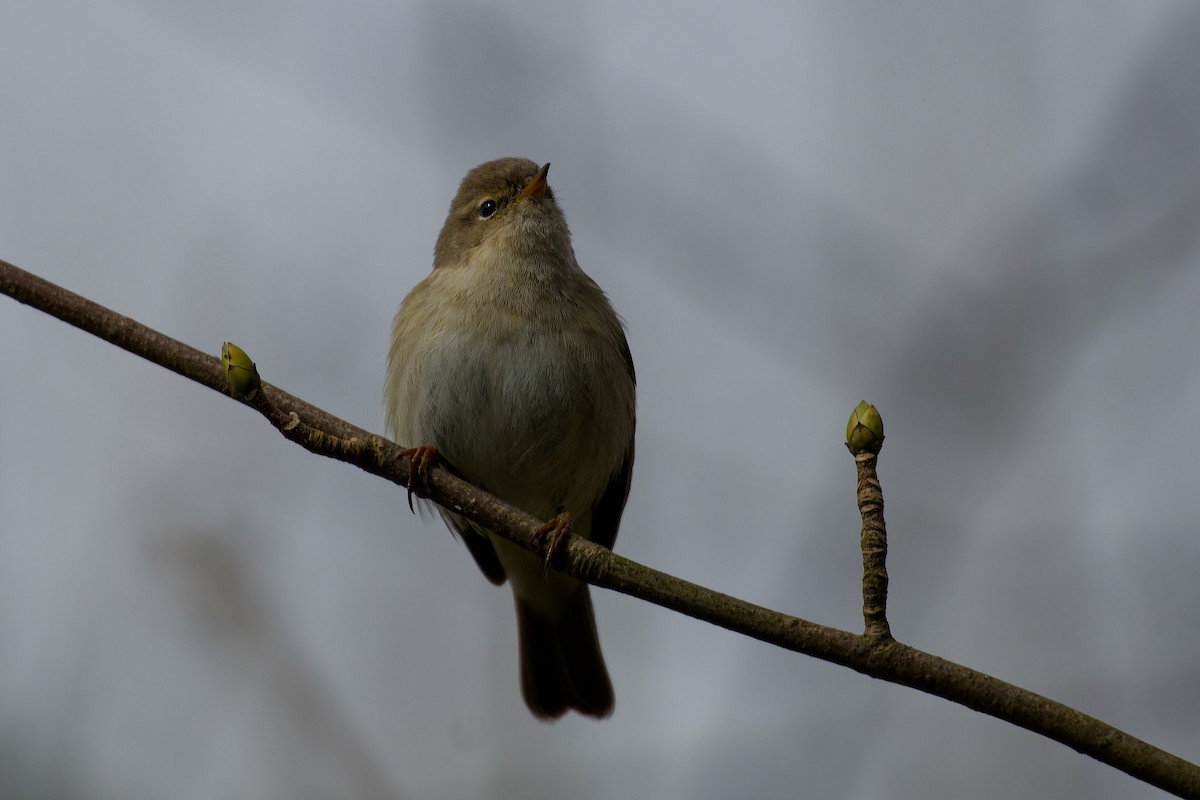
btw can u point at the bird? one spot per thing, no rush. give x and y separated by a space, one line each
509 364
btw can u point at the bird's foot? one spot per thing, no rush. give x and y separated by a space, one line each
421 458
556 531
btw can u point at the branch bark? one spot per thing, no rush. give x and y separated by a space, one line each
873 653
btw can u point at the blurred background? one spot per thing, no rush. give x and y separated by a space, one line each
984 218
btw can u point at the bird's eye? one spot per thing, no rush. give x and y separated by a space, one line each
487 208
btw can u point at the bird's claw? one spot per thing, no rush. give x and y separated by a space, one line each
556 530
421 458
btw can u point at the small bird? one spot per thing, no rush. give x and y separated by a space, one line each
512 365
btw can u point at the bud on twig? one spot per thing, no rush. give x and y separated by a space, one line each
864 431
240 370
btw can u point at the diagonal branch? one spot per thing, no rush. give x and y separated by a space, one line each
877 656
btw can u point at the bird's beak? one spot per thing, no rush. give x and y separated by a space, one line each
536 187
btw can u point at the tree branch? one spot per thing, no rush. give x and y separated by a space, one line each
874 653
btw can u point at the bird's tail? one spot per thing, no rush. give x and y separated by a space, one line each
561 664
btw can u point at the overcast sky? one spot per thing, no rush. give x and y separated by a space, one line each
983 217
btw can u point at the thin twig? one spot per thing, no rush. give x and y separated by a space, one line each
882 658
874 548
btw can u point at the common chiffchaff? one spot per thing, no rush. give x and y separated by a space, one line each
511 361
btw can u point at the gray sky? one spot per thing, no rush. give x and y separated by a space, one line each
984 217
